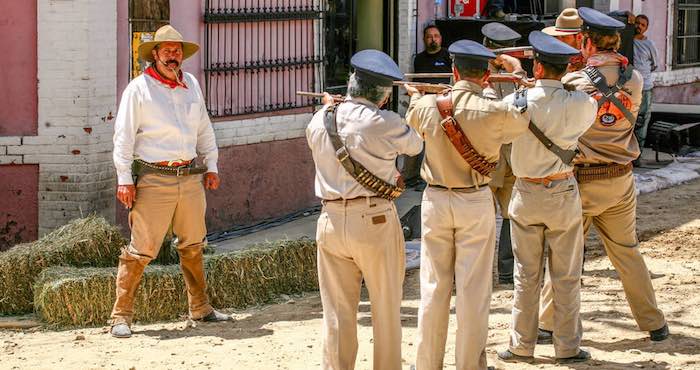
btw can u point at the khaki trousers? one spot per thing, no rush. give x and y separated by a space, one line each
359 239
546 216
160 201
457 245
611 206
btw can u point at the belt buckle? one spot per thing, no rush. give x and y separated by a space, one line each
547 183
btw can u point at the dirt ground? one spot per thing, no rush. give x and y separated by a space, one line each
287 335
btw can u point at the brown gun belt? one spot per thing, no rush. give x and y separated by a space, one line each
586 173
459 139
140 168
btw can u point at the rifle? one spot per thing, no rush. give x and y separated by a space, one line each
336 98
520 52
495 77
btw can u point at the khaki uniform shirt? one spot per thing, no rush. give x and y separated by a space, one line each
563 116
502 89
373 138
609 144
487 123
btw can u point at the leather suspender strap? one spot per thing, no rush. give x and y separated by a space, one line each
458 138
358 172
601 84
566 156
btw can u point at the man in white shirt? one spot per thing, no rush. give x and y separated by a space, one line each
645 61
162 125
545 207
354 146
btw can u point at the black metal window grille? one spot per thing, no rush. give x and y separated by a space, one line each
258 53
687 35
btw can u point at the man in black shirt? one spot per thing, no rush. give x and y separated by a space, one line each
434 59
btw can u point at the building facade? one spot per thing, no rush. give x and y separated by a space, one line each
67 62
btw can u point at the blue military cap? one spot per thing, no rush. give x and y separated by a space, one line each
549 49
596 21
376 67
501 34
470 54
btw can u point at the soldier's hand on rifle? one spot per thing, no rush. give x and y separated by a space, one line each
126 195
327 99
509 63
410 90
211 180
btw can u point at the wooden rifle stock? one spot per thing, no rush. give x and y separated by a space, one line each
336 98
520 52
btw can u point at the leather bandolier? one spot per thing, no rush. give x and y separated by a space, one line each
458 138
361 174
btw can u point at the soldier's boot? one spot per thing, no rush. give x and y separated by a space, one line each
505 255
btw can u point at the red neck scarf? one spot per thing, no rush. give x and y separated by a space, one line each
607 58
169 83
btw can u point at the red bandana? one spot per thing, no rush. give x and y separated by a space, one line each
169 83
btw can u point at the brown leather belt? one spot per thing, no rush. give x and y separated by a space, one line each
547 181
471 189
178 163
592 172
363 198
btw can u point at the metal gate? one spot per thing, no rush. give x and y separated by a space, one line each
258 53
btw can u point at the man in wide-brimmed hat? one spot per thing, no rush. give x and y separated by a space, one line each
162 125
567 29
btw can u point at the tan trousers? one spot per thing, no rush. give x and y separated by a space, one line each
458 243
160 201
546 216
611 206
359 239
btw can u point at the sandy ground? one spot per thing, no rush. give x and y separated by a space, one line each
287 335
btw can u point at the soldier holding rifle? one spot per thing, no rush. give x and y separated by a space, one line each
463 132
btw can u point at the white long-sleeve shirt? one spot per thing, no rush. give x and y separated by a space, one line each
373 137
157 123
563 116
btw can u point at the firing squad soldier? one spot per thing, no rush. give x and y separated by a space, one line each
498 35
604 168
463 132
545 207
354 145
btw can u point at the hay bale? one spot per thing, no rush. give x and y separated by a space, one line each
89 241
84 297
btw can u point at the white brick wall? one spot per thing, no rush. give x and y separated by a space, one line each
260 130
76 46
407 45
676 77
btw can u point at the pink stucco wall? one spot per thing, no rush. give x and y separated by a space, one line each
18 84
187 17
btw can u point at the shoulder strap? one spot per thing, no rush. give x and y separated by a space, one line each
601 84
458 138
358 172
566 156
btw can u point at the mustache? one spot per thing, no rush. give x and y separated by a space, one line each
173 61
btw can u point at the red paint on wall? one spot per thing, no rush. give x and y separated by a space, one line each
258 181
19 204
18 75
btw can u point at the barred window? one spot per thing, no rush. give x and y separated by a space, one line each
686 46
257 54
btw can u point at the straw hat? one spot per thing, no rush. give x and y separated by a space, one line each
568 23
166 34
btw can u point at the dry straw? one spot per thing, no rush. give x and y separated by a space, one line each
84 296
89 241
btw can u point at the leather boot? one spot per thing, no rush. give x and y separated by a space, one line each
192 265
129 275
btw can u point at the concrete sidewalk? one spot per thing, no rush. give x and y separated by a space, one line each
306 226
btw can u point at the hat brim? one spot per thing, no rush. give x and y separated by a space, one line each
188 49
553 31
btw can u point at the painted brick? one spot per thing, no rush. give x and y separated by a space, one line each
10 140
38 149
11 159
